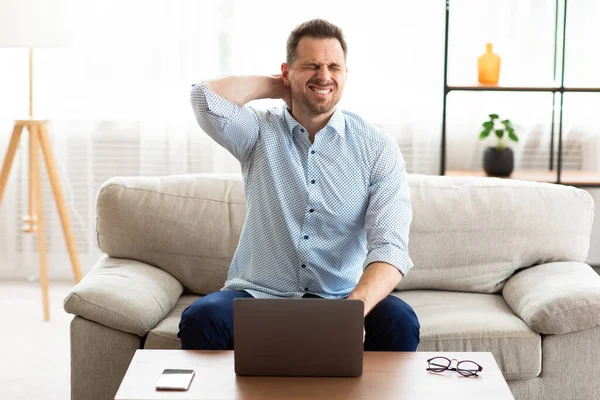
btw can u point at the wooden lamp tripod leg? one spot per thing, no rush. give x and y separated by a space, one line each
37 205
30 220
38 137
10 156
60 200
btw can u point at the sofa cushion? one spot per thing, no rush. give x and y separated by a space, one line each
164 335
449 322
125 295
454 321
556 298
467 234
471 234
187 225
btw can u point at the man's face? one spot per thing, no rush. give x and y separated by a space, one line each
318 75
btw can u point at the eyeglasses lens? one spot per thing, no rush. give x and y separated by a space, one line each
439 364
467 368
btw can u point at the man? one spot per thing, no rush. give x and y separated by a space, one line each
328 205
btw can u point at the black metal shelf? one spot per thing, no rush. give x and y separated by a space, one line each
549 89
581 90
484 88
570 177
556 89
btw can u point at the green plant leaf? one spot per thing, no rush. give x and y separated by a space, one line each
493 116
512 136
484 134
499 133
488 125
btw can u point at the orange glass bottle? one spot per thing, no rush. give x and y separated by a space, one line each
488 66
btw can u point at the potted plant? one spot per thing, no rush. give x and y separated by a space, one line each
498 160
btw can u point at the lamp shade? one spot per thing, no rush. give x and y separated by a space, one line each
34 23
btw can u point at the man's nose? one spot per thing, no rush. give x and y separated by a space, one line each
323 75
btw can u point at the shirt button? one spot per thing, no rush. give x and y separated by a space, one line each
306 289
313 181
311 210
303 266
312 152
306 237
301 129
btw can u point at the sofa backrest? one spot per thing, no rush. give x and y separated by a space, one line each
467 234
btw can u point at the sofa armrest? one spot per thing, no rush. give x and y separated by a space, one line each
123 294
555 298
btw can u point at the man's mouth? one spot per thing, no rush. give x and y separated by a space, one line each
321 91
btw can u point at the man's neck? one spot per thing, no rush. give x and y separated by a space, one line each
313 123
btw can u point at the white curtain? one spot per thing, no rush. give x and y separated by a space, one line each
118 98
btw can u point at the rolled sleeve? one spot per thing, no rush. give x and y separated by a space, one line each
389 213
231 126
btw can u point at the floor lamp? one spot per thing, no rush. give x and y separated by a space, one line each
34 24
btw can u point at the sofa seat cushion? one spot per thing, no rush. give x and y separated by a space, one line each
457 321
450 321
164 334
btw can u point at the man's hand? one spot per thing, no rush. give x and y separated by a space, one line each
376 282
283 92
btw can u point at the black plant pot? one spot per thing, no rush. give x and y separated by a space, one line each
497 162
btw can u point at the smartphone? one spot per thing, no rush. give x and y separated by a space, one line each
175 379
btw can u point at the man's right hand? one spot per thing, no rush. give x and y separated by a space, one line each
241 89
283 92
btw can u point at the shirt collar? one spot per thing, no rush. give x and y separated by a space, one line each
336 122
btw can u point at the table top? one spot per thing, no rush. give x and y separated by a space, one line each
386 375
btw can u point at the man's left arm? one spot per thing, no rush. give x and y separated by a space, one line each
387 223
378 280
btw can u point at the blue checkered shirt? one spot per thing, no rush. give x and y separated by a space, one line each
317 213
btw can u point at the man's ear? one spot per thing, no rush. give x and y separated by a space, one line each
285 70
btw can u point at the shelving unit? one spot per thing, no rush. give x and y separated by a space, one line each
555 175
573 178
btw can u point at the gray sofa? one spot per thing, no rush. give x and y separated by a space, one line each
499 266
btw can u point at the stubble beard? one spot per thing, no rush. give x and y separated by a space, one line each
315 108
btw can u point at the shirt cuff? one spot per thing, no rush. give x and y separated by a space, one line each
214 103
392 255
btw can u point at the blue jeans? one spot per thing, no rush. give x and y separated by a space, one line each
207 324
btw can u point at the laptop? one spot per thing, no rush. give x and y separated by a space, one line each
298 337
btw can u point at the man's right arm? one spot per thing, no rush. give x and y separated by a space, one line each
243 89
219 106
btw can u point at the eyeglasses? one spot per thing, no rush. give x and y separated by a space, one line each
465 368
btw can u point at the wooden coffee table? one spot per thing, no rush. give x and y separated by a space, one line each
386 375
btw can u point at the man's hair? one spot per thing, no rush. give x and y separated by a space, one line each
315 28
